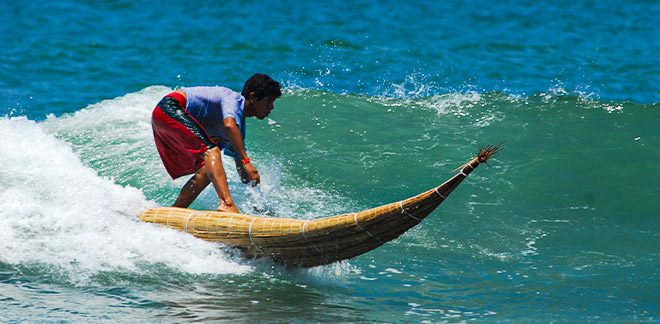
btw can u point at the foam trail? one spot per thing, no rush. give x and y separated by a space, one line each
57 211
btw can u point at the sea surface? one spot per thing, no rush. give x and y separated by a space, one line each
382 100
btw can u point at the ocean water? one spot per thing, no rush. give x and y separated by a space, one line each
382 100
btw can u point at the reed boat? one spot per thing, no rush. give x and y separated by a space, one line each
310 243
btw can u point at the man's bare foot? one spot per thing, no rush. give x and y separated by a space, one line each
227 209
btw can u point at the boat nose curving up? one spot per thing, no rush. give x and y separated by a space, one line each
309 243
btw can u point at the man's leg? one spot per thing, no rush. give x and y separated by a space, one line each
211 172
215 172
192 188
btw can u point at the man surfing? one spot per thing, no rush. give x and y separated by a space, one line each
192 125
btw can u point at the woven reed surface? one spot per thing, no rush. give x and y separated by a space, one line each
308 243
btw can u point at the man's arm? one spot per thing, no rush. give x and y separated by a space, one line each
249 172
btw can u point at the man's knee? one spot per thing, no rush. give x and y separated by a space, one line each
215 152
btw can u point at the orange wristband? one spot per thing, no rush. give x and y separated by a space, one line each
246 161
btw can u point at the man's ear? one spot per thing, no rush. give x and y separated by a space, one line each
253 97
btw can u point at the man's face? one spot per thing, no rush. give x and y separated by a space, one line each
263 107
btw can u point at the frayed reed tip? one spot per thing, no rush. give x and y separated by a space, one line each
485 152
488 151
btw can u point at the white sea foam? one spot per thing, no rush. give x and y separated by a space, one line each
55 210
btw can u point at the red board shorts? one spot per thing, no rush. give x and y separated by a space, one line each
180 139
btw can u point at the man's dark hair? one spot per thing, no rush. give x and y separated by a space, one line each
262 86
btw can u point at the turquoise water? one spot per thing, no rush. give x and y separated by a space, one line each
382 101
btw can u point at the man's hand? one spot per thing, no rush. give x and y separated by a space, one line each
252 174
248 173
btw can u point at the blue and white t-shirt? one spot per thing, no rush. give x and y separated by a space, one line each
210 106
